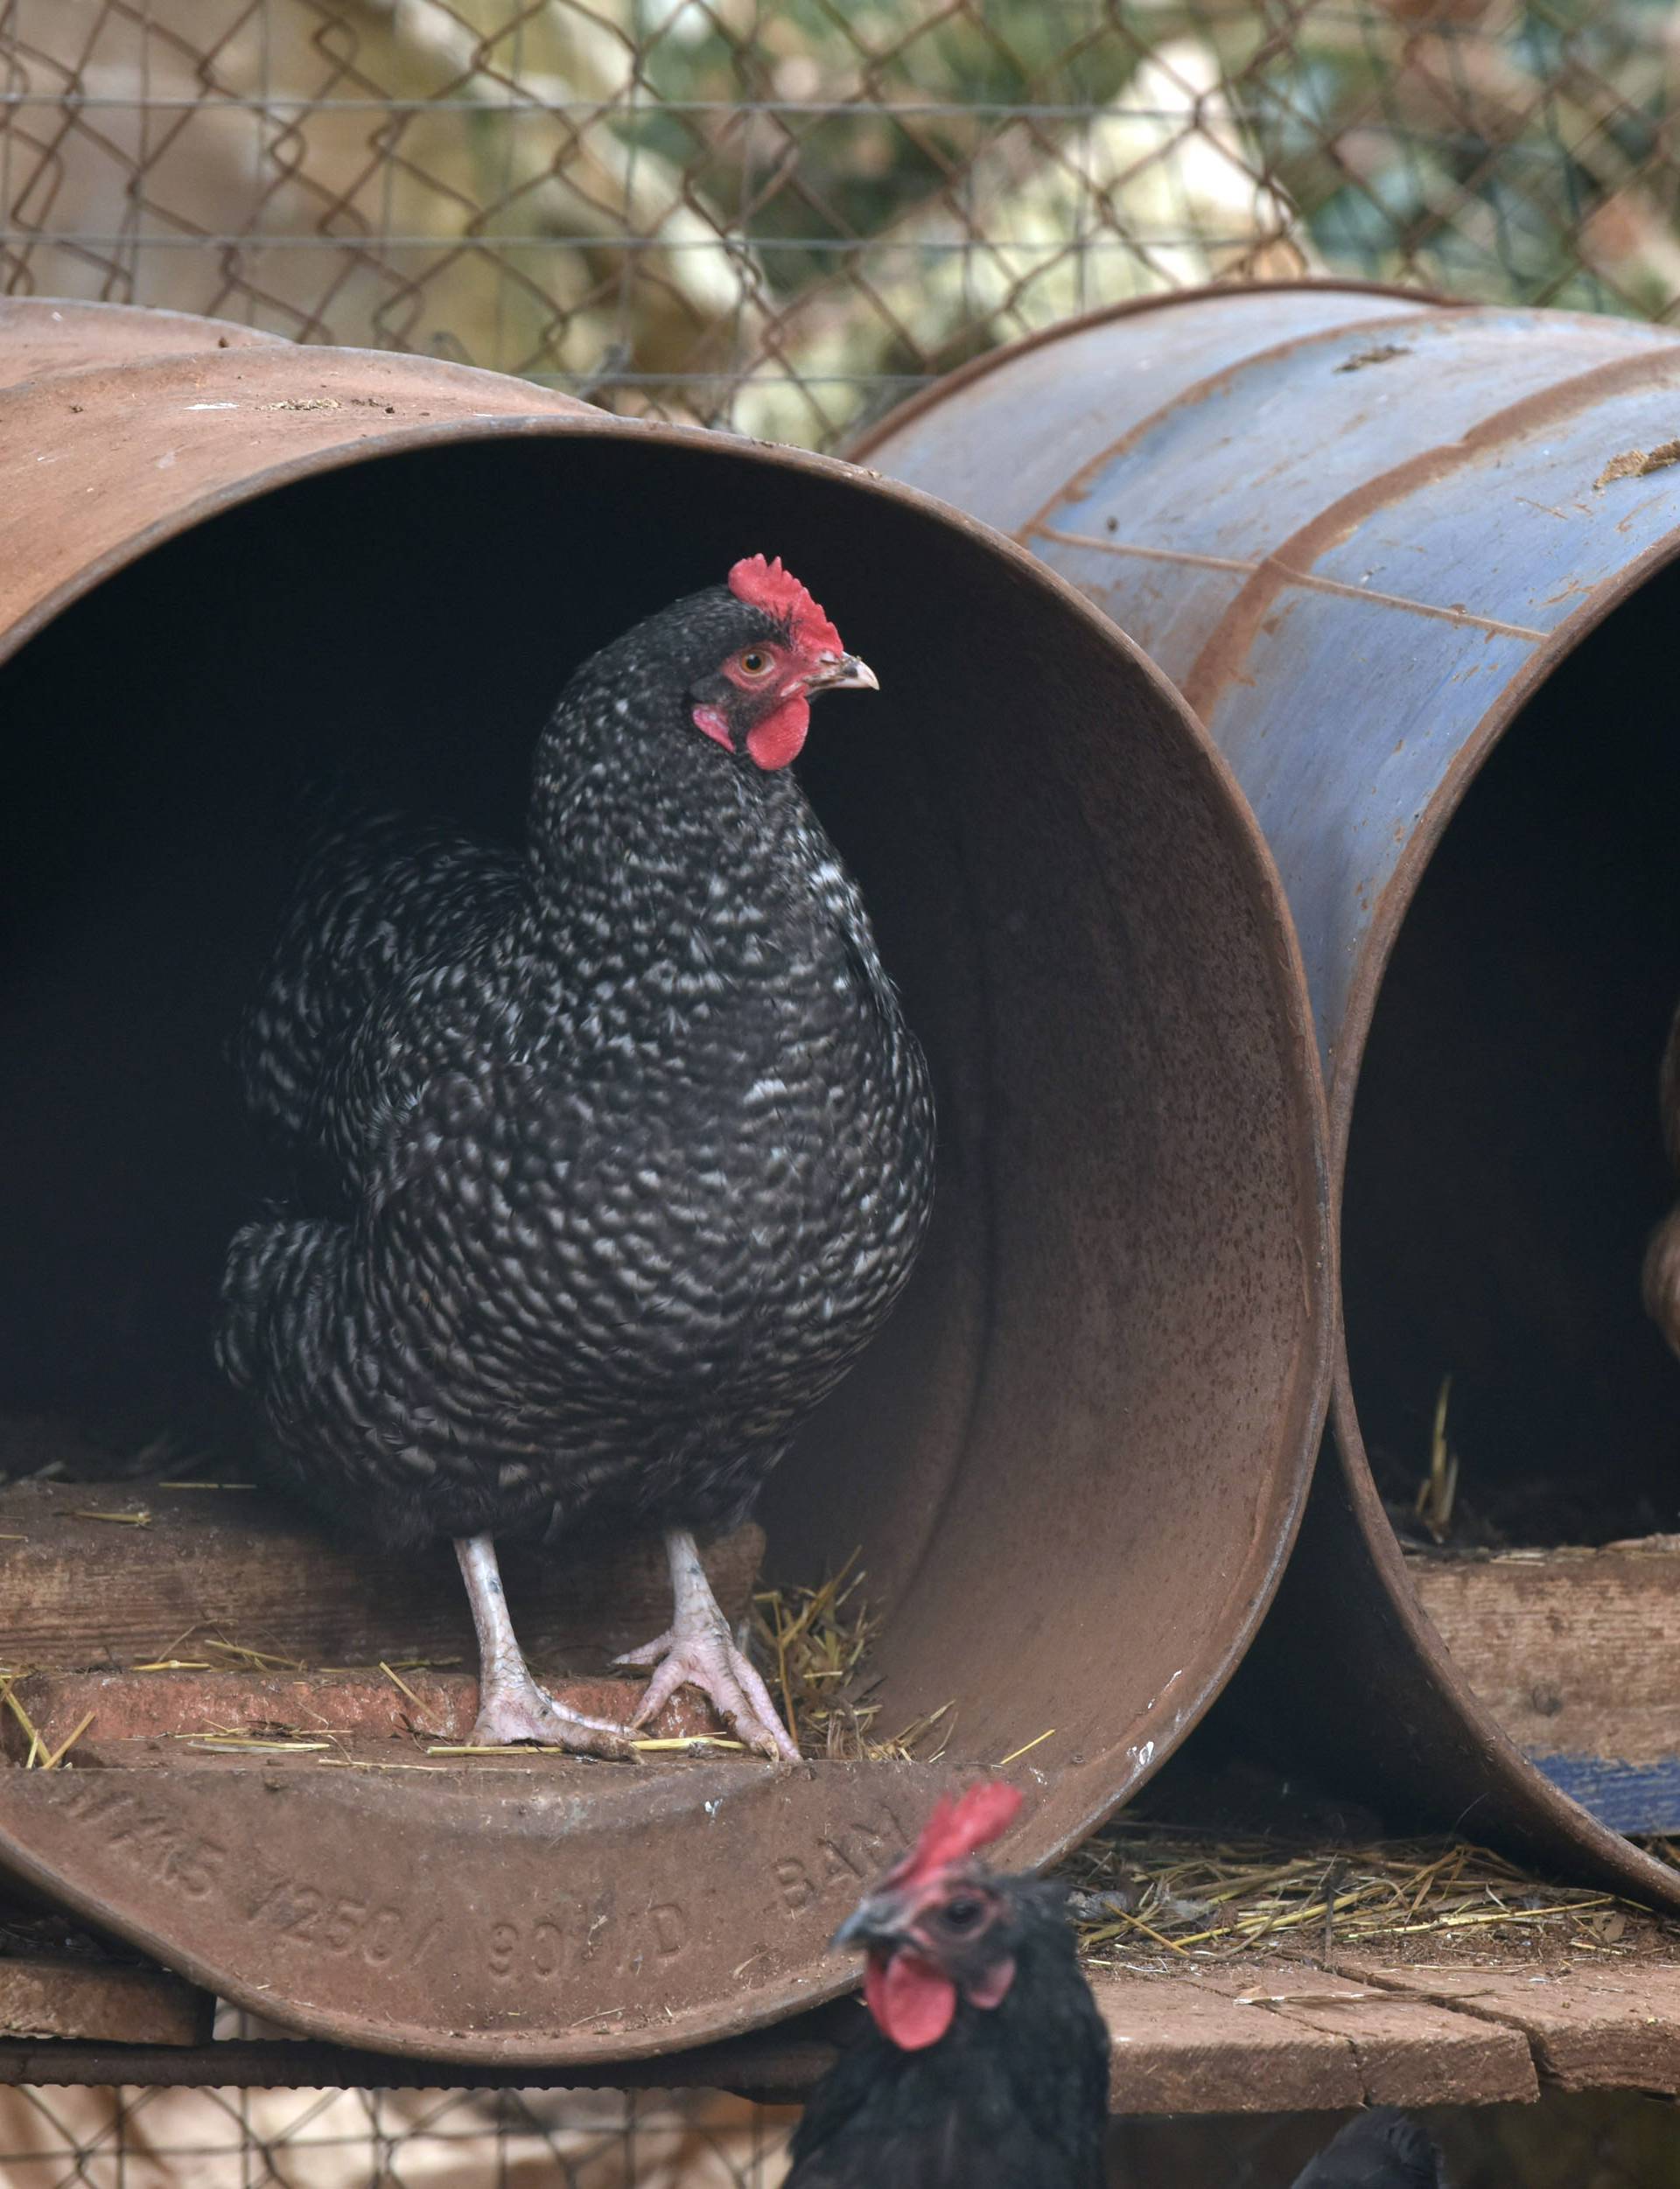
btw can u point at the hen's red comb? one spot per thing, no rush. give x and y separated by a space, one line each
768 586
957 1829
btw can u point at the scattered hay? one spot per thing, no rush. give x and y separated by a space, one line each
238 1744
218 1654
52 1762
400 1684
1185 1896
818 1642
37 1747
1438 1489
679 1744
1026 1748
676 1744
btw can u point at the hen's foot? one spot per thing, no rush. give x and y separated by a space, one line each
512 1707
698 1647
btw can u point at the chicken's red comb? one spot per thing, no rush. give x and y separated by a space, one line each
768 586
958 1828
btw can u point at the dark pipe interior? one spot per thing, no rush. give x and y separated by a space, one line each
1071 1459
408 624
1505 1166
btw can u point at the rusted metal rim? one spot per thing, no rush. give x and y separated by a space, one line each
40 335
1159 447
204 442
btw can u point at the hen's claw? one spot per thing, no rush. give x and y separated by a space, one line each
513 1707
698 1647
711 1662
708 1660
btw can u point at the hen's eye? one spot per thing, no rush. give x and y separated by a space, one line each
962 1915
755 661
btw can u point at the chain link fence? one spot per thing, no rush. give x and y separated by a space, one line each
408 2139
782 215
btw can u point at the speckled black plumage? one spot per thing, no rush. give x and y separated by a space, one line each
625 1149
1014 2096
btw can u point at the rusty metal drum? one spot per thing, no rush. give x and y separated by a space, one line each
1412 562
1073 1465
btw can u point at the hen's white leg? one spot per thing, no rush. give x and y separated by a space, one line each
698 1647
511 1705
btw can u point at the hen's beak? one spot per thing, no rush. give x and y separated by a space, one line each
842 673
872 1922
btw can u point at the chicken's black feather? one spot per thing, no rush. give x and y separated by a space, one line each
1013 2097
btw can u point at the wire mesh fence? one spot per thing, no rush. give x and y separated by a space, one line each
780 216
131 2138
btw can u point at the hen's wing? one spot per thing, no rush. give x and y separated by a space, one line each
376 900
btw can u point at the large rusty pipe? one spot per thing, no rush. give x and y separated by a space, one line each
1366 532
1075 1463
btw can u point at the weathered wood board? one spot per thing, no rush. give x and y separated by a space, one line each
133 1717
1577 1653
1403 2050
44 1995
1593 2028
1247 2037
79 1591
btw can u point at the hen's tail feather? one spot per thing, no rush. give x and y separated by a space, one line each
276 1289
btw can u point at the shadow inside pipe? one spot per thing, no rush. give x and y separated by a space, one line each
1506 1166
391 635
1070 1460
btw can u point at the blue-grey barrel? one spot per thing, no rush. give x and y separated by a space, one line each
1366 532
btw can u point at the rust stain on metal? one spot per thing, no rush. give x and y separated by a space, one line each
1637 463
44 335
1379 354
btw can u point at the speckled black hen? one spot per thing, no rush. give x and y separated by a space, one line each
627 1148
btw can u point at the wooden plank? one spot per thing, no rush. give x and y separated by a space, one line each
1574 1652
773 2067
43 1996
82 1592
1251 2038
1407 2052
1183 2046
1611 2027
1178 2048
360 1707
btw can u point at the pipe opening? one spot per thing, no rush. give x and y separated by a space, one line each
1072 1462
1505 1165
